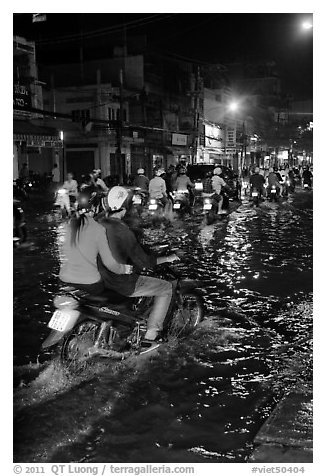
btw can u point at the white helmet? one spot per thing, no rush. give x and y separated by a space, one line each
140 171
217 171
117 197
160 172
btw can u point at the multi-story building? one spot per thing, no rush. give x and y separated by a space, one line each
160 99
34 143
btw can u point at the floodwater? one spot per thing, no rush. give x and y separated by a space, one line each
201 399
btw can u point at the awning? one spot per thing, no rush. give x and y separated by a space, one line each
26 131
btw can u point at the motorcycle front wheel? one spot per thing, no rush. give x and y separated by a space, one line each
76 345
186 317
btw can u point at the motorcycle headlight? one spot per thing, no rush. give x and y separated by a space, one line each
61 191
207 200
152 201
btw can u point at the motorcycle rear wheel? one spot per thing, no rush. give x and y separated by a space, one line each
75 348
186 316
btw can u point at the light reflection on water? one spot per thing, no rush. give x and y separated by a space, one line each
204 399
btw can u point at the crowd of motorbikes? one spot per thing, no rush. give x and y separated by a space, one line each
84 327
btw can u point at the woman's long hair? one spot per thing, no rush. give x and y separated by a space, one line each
76 224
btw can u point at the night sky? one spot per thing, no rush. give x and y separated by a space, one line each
200 37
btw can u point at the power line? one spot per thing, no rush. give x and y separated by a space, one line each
104 31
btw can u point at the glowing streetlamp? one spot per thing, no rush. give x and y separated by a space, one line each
233 106
307 25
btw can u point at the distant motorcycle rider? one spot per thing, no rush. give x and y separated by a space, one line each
307 176
183 182
217 184
257 181
273 180
126 249
141 181
157 187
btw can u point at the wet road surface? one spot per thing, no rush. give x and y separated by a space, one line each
198 400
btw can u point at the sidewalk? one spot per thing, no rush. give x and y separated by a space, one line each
286 436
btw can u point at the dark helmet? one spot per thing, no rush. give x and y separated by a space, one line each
86 198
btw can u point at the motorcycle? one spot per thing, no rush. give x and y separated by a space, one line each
210 206
306 183
19 225
245 187
156 207
21 189
62 202
273 193
181 202
256 196
84 327
139 200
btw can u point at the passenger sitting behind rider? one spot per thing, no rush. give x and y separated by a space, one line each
83 240
126 249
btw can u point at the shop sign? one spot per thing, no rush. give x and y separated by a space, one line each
22 97
179 139
213 136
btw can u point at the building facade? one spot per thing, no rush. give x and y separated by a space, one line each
34 142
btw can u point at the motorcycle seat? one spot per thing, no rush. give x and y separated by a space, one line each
108 297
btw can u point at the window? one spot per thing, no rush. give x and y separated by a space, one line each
79 115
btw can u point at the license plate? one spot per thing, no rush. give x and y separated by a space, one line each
207 206
60 320
152 207
177 205
137 200
273 191
254 194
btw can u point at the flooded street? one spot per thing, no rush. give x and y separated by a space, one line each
201 399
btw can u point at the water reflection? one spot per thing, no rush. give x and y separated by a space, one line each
203 399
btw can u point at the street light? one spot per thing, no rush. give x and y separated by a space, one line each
233 106
307 25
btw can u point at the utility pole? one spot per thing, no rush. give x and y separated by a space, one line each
196 117
118 154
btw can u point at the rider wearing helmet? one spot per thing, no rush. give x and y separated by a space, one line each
157 187
126 249
141 181
183 182
217 184
82 241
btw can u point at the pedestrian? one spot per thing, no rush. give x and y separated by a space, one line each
24 172
55 175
